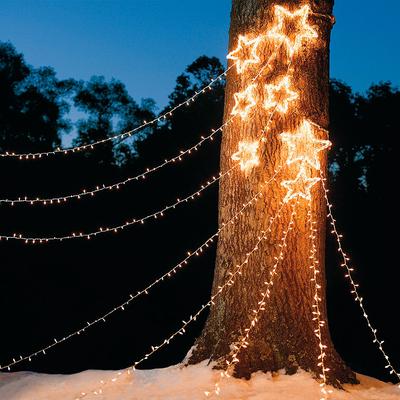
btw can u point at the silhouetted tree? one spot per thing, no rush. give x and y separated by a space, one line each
33 104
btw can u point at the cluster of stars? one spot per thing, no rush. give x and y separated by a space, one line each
303 150
247 155
290 30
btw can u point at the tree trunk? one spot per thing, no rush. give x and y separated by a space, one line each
284 335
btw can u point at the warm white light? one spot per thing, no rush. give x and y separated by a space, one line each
245 53
278 96
355 286
316 308
303 146
292 28
300 186
235 273
244 101
119 136
118 228
247 155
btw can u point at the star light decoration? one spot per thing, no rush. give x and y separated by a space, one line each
292 27
279 95
304 147
247 155
244 101
246 47
300 186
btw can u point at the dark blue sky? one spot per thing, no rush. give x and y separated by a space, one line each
147 43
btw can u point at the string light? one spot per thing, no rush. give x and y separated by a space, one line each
265 295
303 146
160 213
292 27
279 95
247 155
300 186
244 101
354 286
117 185
120 136
121 307
316 310
228 283
245 47
89 235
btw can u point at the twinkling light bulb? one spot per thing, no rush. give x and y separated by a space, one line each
232 275
300 186
119 136
247 155
355 291
117 228
265 295
117 185
145 291
316 306
244 101
303 146
292 28
245 53
278 96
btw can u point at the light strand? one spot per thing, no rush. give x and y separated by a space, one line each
122 136
268 63
142 175
316 311
247 96
265 294
145 291
237 271
89 235
304 30
117 185
349 275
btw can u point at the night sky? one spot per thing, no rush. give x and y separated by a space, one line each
146 44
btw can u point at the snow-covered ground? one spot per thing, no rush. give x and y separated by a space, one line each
183 383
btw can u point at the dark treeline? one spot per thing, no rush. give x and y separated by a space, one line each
49 290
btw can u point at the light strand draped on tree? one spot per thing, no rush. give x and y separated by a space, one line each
286 46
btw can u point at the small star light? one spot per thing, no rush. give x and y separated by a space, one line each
292 28
300 186
304 146
246 47
244 101
280 95
247 155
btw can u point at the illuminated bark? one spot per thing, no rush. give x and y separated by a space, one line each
284 335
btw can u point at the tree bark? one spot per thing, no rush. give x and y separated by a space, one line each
284 335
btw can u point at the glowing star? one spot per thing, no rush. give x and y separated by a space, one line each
244 101
245 53
247 155
292 28
300 186
278 96
304 146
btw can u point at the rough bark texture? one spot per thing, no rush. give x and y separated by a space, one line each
284 336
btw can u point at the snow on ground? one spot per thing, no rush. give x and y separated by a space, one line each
183 383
